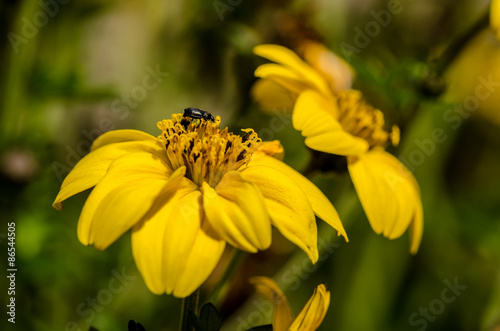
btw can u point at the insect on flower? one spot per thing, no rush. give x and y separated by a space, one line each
198 113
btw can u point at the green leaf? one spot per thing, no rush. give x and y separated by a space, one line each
133 326
210 319
193 320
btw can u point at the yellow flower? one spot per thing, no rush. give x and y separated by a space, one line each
495 16
309 318
189 192
342 123
473 81
338 74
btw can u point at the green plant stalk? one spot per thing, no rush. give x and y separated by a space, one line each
460 42
189 304
220 290
13 84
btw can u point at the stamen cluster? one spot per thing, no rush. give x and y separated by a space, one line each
206 151
362 120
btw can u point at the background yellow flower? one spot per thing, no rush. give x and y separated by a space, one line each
309 317
342 123
495 16
473 81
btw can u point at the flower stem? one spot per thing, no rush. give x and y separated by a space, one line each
189 304
453 50
432 83
220 290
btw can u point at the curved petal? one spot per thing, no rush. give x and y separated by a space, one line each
315 116
288 58
272 148
336 71
284 77
495 16
125 206
161 241
273 69
236 211
283 316
387 190
201 261
92 168
416 228
271 96
118 136
184 222
313 313
290 209
322 207
126 170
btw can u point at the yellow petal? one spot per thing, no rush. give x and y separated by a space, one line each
267 287
387 190
315 116
337 72
92 168
284 77
273 69
322 207
184 222
201 261
474 75
289 207
237 212
272 148
272 96
313 313
495 16
125 205
416 228
118 136
290 60
125 170
161 241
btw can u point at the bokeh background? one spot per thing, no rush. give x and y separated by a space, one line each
71 70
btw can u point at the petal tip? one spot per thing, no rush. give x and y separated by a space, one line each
58 205
313 255
343 234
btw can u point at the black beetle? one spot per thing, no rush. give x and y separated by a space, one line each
198 113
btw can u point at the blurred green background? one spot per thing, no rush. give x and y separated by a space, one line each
72 70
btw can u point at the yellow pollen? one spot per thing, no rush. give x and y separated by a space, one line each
362 120
206 151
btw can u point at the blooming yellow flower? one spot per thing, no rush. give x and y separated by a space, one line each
342 123
473 81
189 192
495 17
309 318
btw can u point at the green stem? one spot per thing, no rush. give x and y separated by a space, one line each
224 283
453 50
13 83
189 304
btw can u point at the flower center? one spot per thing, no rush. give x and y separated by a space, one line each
206 151
362 120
